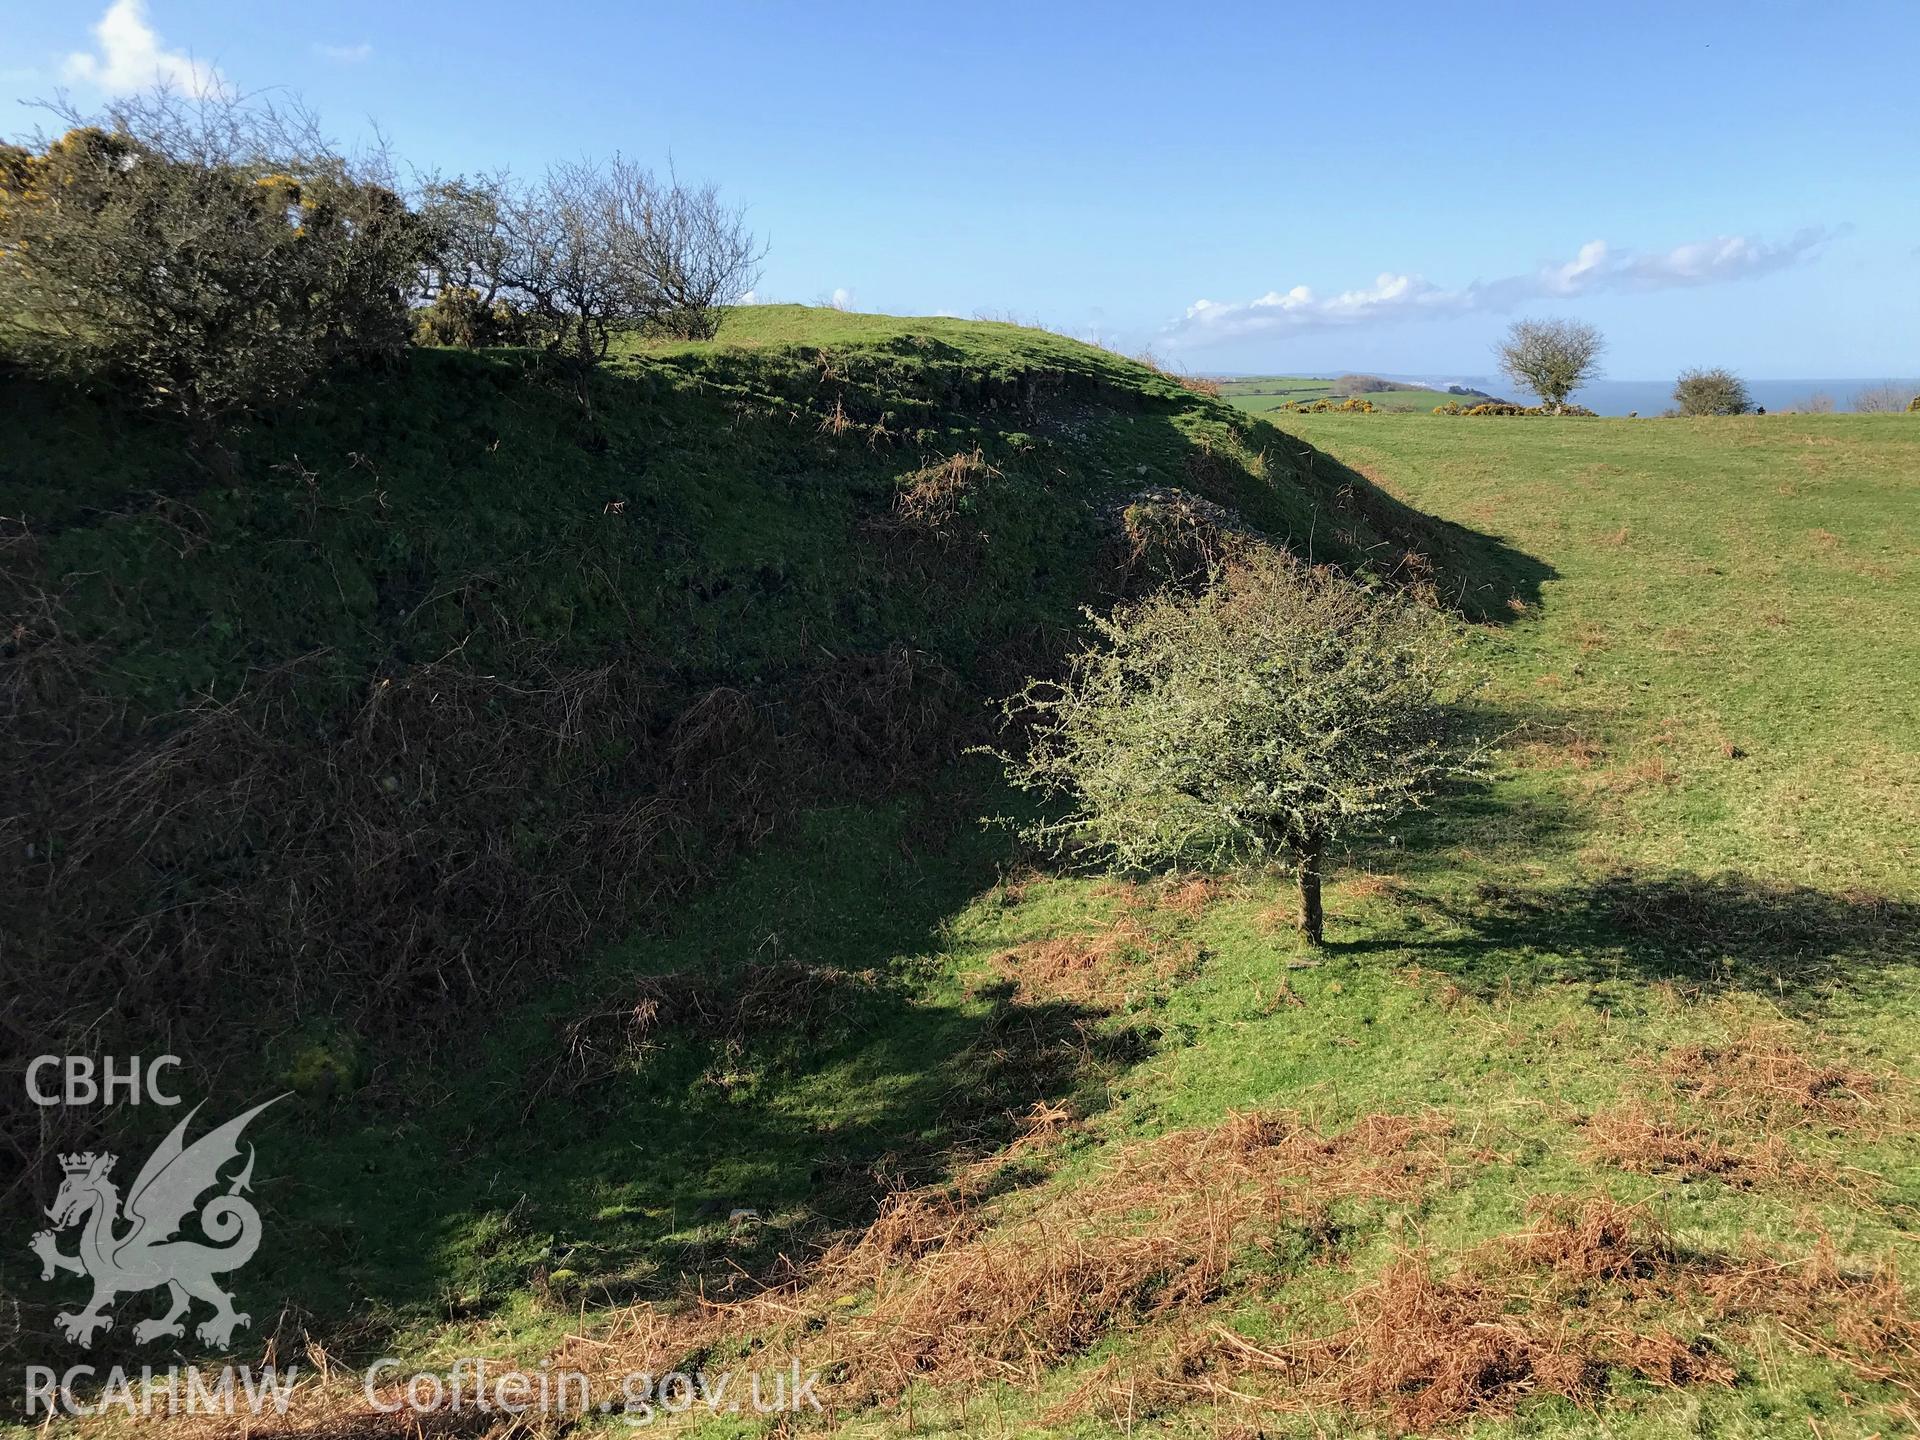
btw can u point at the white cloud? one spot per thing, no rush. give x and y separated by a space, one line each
1730 257
752 297
130 57
841 299
345 54
1597 267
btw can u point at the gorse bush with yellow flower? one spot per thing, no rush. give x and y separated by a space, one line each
204 254
1352 405
461 317
211 255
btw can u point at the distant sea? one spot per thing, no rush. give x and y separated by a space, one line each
1651 397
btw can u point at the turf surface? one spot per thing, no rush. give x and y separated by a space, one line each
1695 866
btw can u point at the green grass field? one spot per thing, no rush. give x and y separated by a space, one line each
995 1116
1264 394
1712 770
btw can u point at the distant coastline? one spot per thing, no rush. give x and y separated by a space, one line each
1651 397
1642 397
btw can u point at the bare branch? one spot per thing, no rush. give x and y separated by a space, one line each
1552 358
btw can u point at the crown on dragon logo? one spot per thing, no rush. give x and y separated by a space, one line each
129 1245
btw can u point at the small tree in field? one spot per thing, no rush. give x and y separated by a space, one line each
1552 358
1263 719
1711 392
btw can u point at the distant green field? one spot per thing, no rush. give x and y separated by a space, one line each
1260 394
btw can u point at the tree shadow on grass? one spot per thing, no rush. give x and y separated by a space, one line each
806 1122
797 1045
1491 820
454 1199
1713 933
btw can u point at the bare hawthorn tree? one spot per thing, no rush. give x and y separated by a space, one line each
563 254
591 248
686 251
1552 358
1263 719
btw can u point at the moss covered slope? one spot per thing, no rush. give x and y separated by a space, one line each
437 684
458 655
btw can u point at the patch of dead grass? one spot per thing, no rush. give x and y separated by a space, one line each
1591 1290
1105 969
1189 895
1760 1074
932 497
1649 772
958 1285
1569 752
1591 637
1153 1235
1633 1138
1726 1110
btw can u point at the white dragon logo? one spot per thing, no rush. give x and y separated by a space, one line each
146 1255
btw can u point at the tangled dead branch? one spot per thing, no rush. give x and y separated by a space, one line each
434 843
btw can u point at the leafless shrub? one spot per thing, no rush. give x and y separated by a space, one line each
688 253
1886 398
570 255
592 247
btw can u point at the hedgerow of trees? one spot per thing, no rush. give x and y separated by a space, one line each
212 254
1348 385
1264 719
589 249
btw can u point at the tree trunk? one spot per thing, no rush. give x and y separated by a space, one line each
1312 920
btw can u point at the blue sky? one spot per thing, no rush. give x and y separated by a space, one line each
1711 183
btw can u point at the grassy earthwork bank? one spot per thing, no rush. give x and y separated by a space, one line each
1595 1116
